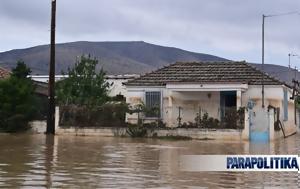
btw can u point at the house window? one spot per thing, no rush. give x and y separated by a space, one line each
153 104
285 104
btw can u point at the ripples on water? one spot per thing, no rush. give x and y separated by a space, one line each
29 161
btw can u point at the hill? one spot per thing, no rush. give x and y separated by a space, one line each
115 57
118 57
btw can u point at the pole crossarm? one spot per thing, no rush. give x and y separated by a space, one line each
282 14
263 47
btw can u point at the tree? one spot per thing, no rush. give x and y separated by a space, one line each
21 71
84 86
17 106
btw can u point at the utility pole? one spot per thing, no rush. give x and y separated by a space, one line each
263 63
295 76
51 84
290 69
263 49
290 60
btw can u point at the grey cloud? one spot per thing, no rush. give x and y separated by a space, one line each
231 28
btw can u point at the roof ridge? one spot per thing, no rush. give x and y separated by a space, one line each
206 71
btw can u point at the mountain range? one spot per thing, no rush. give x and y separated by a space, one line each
131 57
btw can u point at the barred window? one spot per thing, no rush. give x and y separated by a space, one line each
153 104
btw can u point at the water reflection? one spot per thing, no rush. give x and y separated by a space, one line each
28 161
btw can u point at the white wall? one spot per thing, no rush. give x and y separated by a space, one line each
273 97
117 87
191 103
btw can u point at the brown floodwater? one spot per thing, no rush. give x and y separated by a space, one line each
37 161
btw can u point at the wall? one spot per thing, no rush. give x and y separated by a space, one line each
38 126
223 134
117 84
214 134
192 103
273 97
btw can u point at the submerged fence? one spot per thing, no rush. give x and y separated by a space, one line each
107 115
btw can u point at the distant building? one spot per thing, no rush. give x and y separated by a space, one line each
183 90
4 73
116 89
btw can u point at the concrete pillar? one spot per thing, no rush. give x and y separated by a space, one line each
271 123
170 110
56 118
238 99
245 132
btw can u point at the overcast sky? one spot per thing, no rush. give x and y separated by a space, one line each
226 28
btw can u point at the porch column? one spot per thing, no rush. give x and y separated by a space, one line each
238 99
170 110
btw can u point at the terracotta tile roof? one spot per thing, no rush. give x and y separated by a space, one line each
4 73
205 72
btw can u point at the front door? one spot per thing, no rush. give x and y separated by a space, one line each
227 101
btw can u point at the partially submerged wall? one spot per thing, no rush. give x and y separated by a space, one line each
200 134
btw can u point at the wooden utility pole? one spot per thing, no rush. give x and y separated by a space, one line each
51 84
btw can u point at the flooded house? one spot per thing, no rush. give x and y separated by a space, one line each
185 90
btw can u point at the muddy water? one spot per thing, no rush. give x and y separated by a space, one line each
35 161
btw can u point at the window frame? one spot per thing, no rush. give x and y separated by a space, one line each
160 105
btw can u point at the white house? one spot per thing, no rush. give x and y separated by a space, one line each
184 89
117 81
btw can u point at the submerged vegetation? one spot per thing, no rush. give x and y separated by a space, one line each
232 119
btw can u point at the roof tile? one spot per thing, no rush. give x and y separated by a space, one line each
205 72
4 73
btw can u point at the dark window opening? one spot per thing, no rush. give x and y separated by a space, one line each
227 102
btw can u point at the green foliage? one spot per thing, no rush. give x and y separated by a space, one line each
173 137
108 115
234 119
21 70
136 131
297 101
17 105
143 111
118 98
84 86
206 122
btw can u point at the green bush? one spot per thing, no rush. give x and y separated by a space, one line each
18 102
136 131
234 119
